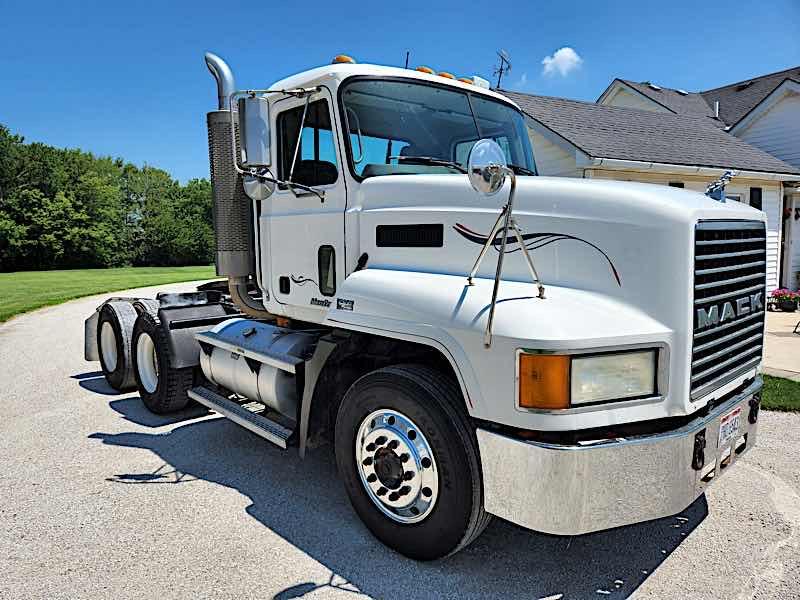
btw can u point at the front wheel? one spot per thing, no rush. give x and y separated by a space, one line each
409 460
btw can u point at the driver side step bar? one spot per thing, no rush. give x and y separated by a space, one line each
259 424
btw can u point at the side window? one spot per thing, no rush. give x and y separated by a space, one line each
316 157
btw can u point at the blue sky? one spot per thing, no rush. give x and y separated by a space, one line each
127 79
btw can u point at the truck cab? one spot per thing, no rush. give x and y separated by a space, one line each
472 338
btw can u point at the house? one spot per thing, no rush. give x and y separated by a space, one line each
583 139
763 111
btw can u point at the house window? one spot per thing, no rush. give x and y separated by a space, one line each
755 198
677 184
316 157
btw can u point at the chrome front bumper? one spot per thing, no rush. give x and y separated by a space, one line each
571 490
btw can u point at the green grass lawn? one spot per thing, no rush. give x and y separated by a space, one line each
781 394
28 290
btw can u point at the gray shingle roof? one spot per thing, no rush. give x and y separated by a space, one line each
629 134
738 99
691 103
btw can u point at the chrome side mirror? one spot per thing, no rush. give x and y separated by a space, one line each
486 167
254 131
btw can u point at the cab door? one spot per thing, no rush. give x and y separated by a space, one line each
306 234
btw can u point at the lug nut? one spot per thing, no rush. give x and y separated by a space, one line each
367 461
408 475
370 447
426 462
381 440
382 491
404 490
372 478
412 434
393 497
426 491
393 444
404 457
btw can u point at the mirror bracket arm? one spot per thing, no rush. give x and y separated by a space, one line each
267 177
509 226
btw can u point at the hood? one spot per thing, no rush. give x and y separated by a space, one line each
632 241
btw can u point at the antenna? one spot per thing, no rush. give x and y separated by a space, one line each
407 55
504 67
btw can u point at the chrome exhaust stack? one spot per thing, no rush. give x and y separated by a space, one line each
233 209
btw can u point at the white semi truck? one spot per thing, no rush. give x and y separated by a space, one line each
473 339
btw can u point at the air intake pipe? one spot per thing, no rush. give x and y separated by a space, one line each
233 209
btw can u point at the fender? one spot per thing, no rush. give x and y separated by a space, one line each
443 312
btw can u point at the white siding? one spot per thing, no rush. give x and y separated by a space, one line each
770 199
627 99
777 131
551 159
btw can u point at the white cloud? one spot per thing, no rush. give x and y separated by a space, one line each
563 61
522 81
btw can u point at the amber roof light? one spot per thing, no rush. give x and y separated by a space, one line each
343 58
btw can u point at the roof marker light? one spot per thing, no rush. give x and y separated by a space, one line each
446 75
424 69
466 80
343 58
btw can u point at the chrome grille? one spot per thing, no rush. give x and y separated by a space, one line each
729 301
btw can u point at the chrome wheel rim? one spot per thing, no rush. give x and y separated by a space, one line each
108 346
397 466
146 363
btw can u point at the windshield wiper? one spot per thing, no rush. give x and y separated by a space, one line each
518 170
430 160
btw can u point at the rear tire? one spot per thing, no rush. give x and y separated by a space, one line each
162 387
416 413
114 330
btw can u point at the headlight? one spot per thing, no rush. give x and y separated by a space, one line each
613 377
553 381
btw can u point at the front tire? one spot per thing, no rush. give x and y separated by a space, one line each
162 387
409 460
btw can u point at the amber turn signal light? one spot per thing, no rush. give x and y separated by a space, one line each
543 381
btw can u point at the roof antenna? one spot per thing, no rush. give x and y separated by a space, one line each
505 66
407 55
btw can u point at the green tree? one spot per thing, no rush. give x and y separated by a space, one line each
68 208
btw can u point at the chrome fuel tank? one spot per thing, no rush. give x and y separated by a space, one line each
256 360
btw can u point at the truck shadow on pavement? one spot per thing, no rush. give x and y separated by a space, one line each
304 502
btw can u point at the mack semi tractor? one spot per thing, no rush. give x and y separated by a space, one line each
468 337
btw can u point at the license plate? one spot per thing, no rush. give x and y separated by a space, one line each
729 426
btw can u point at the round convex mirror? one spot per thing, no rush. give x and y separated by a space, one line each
486 167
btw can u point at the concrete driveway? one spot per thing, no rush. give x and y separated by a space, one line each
782 345
101 499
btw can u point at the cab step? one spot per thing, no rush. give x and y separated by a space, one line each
260 424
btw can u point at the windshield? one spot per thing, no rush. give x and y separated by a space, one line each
402 127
